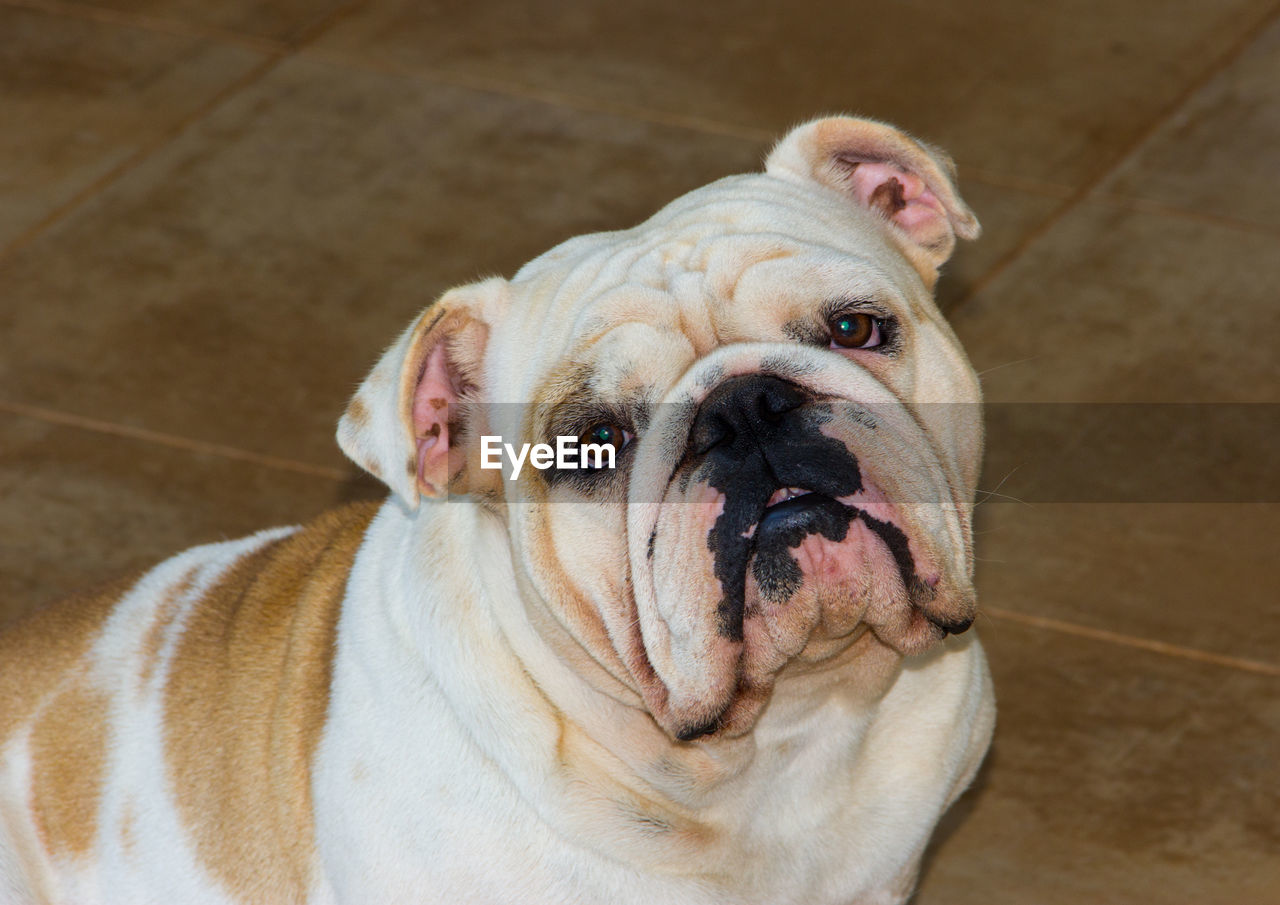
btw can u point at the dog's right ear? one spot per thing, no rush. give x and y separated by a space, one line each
403 423
909 185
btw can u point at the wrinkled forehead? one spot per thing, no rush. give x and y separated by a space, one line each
724 263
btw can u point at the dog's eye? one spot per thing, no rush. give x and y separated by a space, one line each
855 331
603 434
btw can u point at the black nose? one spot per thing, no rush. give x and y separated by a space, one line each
751 406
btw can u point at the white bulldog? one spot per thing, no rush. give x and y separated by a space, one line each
717 672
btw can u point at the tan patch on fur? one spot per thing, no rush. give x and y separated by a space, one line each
246 703
38 652
358 412
358 420
69 757
164 616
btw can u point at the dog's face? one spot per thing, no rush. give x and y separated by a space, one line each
795 426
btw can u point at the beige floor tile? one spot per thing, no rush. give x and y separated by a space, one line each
282 20
1118 306
1118 777
79 507
1184 574
78 98
1046 91
1216 156
1132 453
237 287
1006 216
1142 519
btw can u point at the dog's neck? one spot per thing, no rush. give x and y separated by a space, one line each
590 716
596 762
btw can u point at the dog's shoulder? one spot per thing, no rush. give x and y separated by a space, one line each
242 725
220 657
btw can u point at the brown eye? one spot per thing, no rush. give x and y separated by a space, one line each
855 331
603 434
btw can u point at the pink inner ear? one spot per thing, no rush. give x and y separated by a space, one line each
431 401
900 195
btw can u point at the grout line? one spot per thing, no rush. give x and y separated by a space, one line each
66 419
142 21
1247 39
308 33
1159 208
1089 186
274 58
1159 647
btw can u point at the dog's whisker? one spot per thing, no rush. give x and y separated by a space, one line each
996 491
1007 364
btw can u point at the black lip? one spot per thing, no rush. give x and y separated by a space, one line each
787 510
785 525
956 626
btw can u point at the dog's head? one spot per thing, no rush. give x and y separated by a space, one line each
794 425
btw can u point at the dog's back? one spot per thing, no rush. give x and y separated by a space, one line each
159 730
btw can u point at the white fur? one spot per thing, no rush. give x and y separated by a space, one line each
437 780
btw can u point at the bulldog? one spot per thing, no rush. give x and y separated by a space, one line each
724 670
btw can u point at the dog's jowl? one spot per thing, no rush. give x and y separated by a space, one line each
723 659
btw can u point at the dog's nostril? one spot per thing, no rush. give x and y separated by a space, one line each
709 433
743 406
778 398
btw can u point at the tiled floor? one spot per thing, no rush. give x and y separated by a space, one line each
213 216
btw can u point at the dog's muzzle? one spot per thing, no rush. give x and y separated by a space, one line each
782 534
782 478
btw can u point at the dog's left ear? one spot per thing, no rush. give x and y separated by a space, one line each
404 423
906 182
